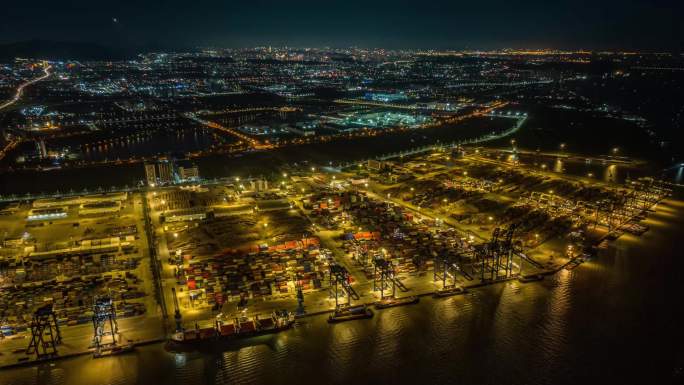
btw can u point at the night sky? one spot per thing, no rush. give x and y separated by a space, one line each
597 24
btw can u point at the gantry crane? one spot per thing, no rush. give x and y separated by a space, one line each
45 334
104 324
176 312
449 266
339 277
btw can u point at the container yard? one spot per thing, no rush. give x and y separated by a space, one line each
388 231
61 265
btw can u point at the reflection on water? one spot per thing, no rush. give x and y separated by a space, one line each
558 166
157 142
610 173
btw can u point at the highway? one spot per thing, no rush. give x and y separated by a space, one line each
13 143
21 87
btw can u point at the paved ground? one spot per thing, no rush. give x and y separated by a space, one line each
78 338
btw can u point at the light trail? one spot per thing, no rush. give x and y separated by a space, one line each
20 89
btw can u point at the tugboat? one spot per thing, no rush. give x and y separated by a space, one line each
240 327
349 313
391 302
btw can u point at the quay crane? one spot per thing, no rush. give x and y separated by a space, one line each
339 277
449 266
45 334
384 276
496 258
300 295
176 313
104 325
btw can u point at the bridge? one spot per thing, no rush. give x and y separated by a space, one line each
253 143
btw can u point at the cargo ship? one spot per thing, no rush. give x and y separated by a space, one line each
349 313
241 327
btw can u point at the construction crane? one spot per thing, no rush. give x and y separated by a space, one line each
45 334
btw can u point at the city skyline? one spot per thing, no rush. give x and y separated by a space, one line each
613 25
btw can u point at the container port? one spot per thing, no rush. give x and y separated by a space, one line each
245 257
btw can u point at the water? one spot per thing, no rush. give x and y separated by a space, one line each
148 144
616 319
255 163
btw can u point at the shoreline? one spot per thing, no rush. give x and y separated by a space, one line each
28 363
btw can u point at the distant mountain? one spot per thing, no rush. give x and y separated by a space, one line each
57 50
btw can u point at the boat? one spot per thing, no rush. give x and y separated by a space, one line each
449 291
391 302
530 278
349 313
113 350
241 327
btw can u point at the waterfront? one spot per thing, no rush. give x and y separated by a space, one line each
200 191
252 163
612 320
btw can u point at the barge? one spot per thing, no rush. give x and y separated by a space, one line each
391 302
530 278
449 291
349 313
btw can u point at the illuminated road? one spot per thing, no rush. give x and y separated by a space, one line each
255 144
20 89
9 147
